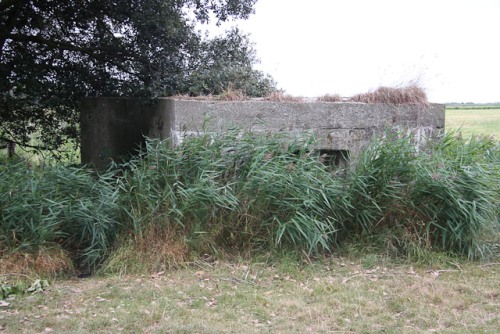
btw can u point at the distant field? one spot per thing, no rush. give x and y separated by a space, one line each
477 121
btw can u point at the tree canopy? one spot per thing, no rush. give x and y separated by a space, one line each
55 52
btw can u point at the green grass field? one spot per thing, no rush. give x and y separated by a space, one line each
474 121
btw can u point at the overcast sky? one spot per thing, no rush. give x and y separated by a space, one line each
314 47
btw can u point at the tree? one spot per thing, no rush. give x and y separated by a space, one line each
227 62
55 52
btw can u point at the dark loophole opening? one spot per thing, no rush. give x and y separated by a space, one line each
334 158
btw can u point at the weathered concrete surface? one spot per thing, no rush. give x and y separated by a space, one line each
338 126
114 128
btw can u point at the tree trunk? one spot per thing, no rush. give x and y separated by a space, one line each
11 149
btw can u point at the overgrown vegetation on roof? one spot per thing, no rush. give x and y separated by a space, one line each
330 98
411 94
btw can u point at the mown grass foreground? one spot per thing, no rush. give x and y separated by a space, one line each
330 296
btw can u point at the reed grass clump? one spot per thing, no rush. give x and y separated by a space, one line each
233 193
443 197
57 206
247 194
456 191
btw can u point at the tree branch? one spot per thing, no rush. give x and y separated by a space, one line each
66 46
8 3
10 21
92 52
21 144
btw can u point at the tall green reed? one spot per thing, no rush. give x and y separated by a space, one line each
235 191
58 205
456 190
254 192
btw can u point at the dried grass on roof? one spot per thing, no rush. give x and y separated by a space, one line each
411 94
330 98
282 97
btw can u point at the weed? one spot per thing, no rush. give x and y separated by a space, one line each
231 94
246 194
411 94
281 97
330 98
249 194
57 205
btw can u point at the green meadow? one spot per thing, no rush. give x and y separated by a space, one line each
472 120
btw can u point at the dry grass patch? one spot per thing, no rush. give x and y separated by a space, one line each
411 94
330 98
193 98
157 249
46 262
282 97
231 94
334 296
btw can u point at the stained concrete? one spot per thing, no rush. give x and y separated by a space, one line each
115 127
337 125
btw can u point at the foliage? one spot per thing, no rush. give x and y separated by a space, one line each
444 197
7 289
53 53
457 190
20 287
227 62
249 193
238 193
377 182
57 205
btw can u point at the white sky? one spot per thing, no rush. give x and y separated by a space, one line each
314 47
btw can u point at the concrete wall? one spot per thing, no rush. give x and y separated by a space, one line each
115 127
337 126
